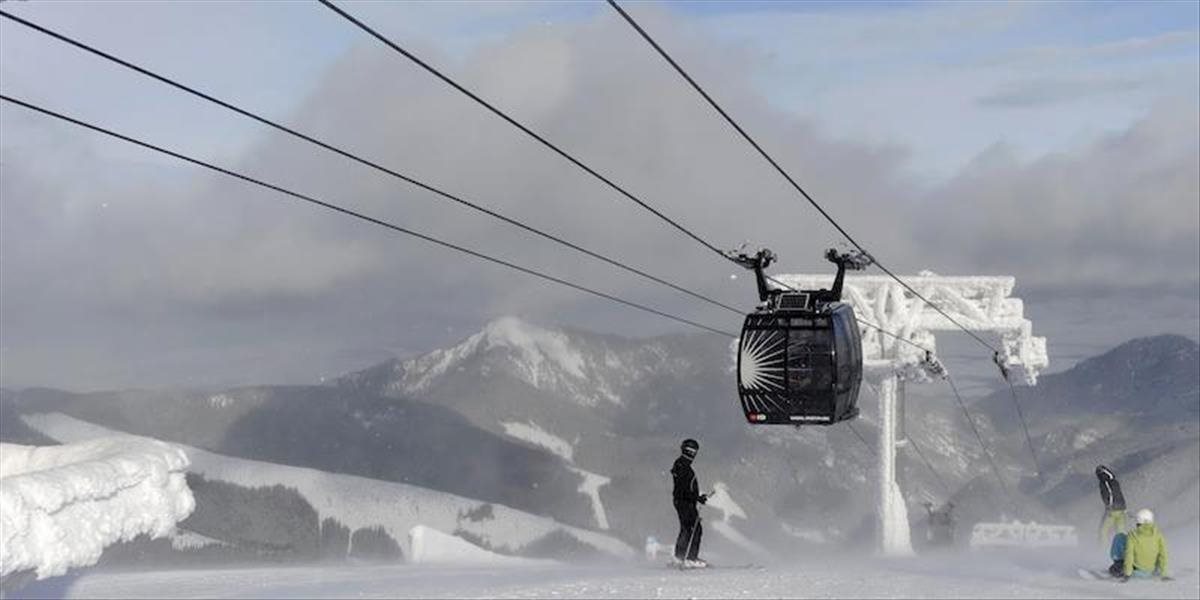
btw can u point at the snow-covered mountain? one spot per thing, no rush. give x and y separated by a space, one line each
604 404
574 378
545 359
616 409
1135 408
582 427
1144 380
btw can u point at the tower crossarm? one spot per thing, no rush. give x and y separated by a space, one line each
976 303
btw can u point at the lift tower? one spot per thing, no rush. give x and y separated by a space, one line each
978 304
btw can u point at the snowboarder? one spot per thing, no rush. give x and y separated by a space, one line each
685 494
1145 549
1113 521
1116 552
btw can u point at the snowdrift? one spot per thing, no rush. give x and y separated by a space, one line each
60 506
363 503
432 547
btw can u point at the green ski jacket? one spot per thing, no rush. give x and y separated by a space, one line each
1146 550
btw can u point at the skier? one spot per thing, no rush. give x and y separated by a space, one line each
686 494
1113 521
1145 549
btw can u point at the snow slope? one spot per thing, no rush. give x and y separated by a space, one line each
831 575
533 434
433 547
60 506
359 502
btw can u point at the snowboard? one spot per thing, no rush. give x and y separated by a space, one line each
1095 574
1104 575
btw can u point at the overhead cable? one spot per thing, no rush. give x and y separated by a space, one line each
860 437
357 215
795 185
437 73
1025 427
356 158
646 36
982 444
607 181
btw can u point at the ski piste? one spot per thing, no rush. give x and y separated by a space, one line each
709 567
1104 575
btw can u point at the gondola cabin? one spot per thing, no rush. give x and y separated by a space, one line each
800 353
800 367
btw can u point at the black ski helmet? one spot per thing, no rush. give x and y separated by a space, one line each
689 447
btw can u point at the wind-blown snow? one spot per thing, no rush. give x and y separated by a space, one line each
60 506
537 350
1040 574
359 502
433 547
530 432
535 344
544 358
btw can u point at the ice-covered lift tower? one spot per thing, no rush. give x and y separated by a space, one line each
980 304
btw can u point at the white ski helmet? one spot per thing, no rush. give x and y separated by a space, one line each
1144 517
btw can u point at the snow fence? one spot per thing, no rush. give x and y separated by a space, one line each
60 506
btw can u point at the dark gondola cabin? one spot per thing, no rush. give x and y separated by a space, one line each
800 354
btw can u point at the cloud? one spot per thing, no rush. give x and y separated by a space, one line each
1133 47
239 283
1119 212
1049 91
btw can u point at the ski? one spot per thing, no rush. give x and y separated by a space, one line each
746 566
750 566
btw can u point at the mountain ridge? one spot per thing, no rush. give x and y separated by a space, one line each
568 451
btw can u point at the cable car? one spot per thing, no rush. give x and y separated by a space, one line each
800 354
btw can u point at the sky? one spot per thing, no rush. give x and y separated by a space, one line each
1055 142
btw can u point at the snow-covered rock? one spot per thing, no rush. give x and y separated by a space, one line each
60 506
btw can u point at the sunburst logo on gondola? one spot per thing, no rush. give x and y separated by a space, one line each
761 361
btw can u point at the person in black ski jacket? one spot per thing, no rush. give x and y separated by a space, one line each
1113 521
685 494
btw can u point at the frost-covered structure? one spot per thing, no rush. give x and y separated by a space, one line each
976 303
1023 535
980 304
60 506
